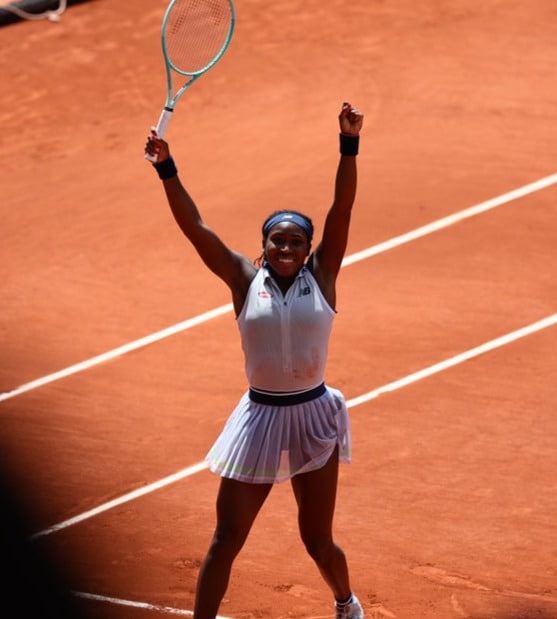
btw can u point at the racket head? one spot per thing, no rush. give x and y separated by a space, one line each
196 33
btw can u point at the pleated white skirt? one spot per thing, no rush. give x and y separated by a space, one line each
261 443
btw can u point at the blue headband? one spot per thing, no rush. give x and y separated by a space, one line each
294 218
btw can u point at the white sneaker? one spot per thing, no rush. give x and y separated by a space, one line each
353 610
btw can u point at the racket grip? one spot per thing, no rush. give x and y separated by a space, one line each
160 129
164 119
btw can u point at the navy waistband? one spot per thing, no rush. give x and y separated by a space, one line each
286 399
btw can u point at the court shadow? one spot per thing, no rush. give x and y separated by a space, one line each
32 586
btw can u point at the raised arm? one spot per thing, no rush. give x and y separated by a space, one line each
233 268
328 256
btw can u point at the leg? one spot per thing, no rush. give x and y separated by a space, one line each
315 494
238 504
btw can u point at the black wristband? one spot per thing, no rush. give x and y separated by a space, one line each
166 169
349 144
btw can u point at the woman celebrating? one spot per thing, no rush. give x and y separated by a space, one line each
289 424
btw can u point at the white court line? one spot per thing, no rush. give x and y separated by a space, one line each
163 609
444 222
434 226
129 496
370 395
549 321
118 352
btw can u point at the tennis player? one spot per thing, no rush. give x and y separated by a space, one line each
289 424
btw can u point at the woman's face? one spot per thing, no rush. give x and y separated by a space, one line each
286 249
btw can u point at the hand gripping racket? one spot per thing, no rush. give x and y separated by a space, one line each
194 36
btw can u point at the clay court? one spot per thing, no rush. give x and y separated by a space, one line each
120 355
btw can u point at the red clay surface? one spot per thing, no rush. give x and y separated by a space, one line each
448 509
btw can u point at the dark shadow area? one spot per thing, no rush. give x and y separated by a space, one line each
32 586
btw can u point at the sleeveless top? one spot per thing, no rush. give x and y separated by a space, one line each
285 338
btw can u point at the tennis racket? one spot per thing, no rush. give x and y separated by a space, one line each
194 36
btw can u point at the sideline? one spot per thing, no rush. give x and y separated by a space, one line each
503 340
396 241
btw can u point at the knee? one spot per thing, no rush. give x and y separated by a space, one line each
319 548
228 539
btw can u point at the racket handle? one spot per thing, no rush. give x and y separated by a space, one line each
164 119
160 129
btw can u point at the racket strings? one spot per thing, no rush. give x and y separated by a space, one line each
196 32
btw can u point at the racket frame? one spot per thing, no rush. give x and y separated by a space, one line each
172 99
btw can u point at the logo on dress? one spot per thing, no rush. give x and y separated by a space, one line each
264 294
305 291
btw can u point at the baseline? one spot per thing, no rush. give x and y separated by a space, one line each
142 605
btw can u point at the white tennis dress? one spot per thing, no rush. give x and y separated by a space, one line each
289 422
